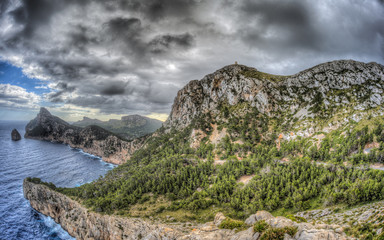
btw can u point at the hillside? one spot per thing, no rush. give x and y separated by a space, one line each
92 139
240 140
128 127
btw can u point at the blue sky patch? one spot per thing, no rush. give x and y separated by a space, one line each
15 76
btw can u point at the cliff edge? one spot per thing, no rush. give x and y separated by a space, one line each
92 139
82 223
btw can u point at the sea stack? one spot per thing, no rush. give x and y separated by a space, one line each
15 135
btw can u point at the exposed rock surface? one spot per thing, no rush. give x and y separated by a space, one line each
92 139
331 85
15 135
85 224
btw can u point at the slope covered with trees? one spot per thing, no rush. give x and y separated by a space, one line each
305 141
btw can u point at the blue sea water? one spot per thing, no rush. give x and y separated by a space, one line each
52 162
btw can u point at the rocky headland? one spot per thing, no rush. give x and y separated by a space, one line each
91 139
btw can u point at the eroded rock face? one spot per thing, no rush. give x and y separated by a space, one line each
81 223
270 94
84 224
92 139
15 135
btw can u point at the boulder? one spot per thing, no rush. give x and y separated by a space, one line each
219 218
15 135
280 222
260 215
246 235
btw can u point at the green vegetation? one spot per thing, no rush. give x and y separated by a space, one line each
278 233
253 73
129 127
260 226
269 233
188 180
171 177
229 223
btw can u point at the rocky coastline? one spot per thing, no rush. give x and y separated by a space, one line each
92 139
83 223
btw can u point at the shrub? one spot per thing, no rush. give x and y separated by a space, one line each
260 226
229 223
278 233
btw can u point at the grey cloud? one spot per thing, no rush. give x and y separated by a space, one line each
131 56
113 90
163 43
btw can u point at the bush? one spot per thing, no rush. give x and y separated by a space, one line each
260 226
278 233
296 218
229 223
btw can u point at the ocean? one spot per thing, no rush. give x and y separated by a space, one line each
52 162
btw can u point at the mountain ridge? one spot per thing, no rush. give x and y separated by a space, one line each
92 139
128 127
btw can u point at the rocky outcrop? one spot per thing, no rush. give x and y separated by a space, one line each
355 85
92 139
15 135
82 223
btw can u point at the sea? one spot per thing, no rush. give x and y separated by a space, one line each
52 162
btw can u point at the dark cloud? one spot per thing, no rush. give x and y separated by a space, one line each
131 56
113 90
289 21
163 43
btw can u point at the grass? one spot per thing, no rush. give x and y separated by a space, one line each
262 75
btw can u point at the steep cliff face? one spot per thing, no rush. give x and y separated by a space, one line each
92 139
84 224
346 84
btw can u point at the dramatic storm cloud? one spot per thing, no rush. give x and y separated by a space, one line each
131 56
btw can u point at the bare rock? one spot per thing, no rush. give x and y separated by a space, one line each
246 235
280 222
15 135
318 234
219 218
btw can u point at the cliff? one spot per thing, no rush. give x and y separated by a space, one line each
322 91
92 139
84 224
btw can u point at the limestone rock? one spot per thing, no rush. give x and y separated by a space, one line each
15 135
219 218
272 94
246 235
318 234
280 222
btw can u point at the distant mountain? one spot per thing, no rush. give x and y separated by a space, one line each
129 127
92 139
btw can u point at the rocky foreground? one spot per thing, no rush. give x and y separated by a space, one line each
82 223
92 139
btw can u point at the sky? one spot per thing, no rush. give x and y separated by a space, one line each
105 59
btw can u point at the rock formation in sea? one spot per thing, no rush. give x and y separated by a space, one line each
15 135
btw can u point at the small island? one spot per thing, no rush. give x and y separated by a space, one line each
15 135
